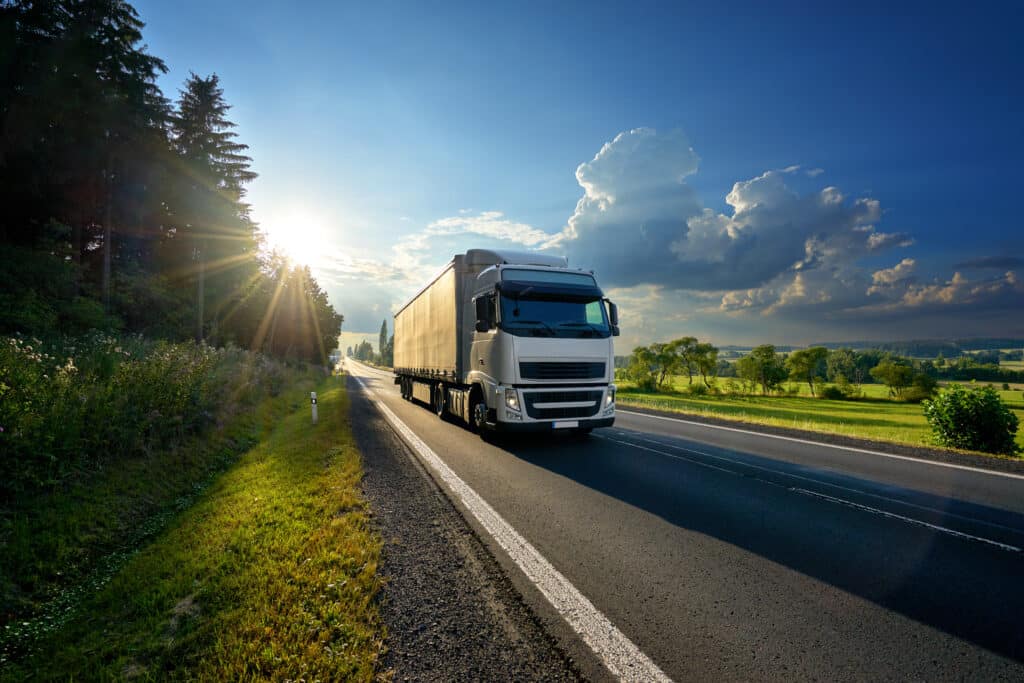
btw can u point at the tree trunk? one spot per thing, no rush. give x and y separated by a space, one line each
200 287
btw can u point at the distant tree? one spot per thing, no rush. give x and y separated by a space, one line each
348 352
865 361
640 370
841 362
762 366
807 365
382 340
387 355
667 362
364 351
987 357
894 374
706 359
686 351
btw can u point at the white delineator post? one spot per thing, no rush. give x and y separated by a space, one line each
312 403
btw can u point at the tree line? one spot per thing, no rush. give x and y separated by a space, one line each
764 369
125 211
364 349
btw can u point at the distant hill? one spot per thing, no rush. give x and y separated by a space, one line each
930 348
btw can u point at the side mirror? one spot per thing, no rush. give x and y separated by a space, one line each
483 314
613 318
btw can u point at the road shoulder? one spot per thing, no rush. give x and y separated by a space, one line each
450 610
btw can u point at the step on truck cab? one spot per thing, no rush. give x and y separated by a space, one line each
508 341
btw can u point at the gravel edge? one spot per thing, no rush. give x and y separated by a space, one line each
988 462
451 611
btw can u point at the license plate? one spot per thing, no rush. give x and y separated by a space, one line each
567 425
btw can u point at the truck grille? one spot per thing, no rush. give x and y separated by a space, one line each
547 370
531 398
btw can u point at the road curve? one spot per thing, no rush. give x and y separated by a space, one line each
726 554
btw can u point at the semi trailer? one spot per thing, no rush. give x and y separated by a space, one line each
508 342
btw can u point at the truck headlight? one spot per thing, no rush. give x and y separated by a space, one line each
512 399
609 398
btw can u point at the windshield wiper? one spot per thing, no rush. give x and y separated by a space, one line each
547 327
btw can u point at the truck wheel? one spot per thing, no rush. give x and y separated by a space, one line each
439 400
478 414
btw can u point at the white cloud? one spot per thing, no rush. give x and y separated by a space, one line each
887 278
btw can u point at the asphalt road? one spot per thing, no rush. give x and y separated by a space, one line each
725 554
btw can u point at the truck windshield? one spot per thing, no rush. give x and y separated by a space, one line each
548 317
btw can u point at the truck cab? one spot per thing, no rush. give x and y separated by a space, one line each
542 349
510 342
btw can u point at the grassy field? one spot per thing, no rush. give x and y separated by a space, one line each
872 418
269 572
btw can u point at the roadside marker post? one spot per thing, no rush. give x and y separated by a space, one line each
312 403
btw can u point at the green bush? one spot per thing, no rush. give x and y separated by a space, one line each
832 393
972 418
697 390
923 387
88 402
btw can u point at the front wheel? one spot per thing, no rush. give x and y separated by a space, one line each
439 401
478 416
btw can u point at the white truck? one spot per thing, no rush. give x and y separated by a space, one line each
510 342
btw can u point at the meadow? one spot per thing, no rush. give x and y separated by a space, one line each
873 416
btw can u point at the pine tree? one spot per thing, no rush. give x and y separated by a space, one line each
212 217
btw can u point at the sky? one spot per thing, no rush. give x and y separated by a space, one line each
740 172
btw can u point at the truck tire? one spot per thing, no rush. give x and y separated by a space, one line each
478 413
439 401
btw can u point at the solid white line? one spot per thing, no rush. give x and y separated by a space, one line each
618 653
911 520
826 445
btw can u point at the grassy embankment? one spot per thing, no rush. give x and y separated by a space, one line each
872 417
242 553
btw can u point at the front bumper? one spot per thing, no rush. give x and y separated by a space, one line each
549 427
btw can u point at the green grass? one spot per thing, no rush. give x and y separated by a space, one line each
874 418
270 574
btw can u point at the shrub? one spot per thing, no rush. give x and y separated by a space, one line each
698 390
922 387
832 394
95 400
972 418
1006 386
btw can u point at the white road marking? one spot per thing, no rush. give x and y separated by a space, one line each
910 520
617 652
843 501
826 445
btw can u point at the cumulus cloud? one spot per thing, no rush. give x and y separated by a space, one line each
887 278
639 222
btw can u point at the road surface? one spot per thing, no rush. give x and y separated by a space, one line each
725 554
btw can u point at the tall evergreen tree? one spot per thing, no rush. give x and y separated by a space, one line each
212 219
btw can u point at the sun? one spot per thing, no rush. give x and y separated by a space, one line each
300 235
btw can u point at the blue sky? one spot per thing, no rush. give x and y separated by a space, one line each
870 154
